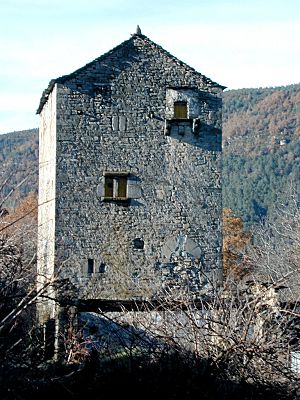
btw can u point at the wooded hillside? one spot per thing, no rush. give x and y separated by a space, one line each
261 149
18 160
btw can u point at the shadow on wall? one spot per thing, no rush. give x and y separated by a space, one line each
102 333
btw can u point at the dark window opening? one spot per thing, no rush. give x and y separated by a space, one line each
122 186
115 187
119 187
102 268
138 244
90 265
49 339
109 186
180 110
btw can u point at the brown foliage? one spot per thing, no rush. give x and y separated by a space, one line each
24 214
234 241
257 118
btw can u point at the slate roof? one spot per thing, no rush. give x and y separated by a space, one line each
148 42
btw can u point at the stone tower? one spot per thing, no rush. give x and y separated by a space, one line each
130 176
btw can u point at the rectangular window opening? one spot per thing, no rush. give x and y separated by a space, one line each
122 186
115 186
90 265
109 186
180 110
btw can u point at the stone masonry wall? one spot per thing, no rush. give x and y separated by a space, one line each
114 115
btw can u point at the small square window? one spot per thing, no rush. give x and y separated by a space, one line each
102 268
115 186
180 110
138 243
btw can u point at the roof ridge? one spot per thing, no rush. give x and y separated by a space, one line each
178 61
137 35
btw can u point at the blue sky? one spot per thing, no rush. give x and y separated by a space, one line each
237 43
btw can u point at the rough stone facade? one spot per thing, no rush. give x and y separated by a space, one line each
130 175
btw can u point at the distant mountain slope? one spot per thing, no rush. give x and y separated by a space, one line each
261 151
18 160
267 115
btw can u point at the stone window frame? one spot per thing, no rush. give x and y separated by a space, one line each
191 98
109 187
115 186
95 265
